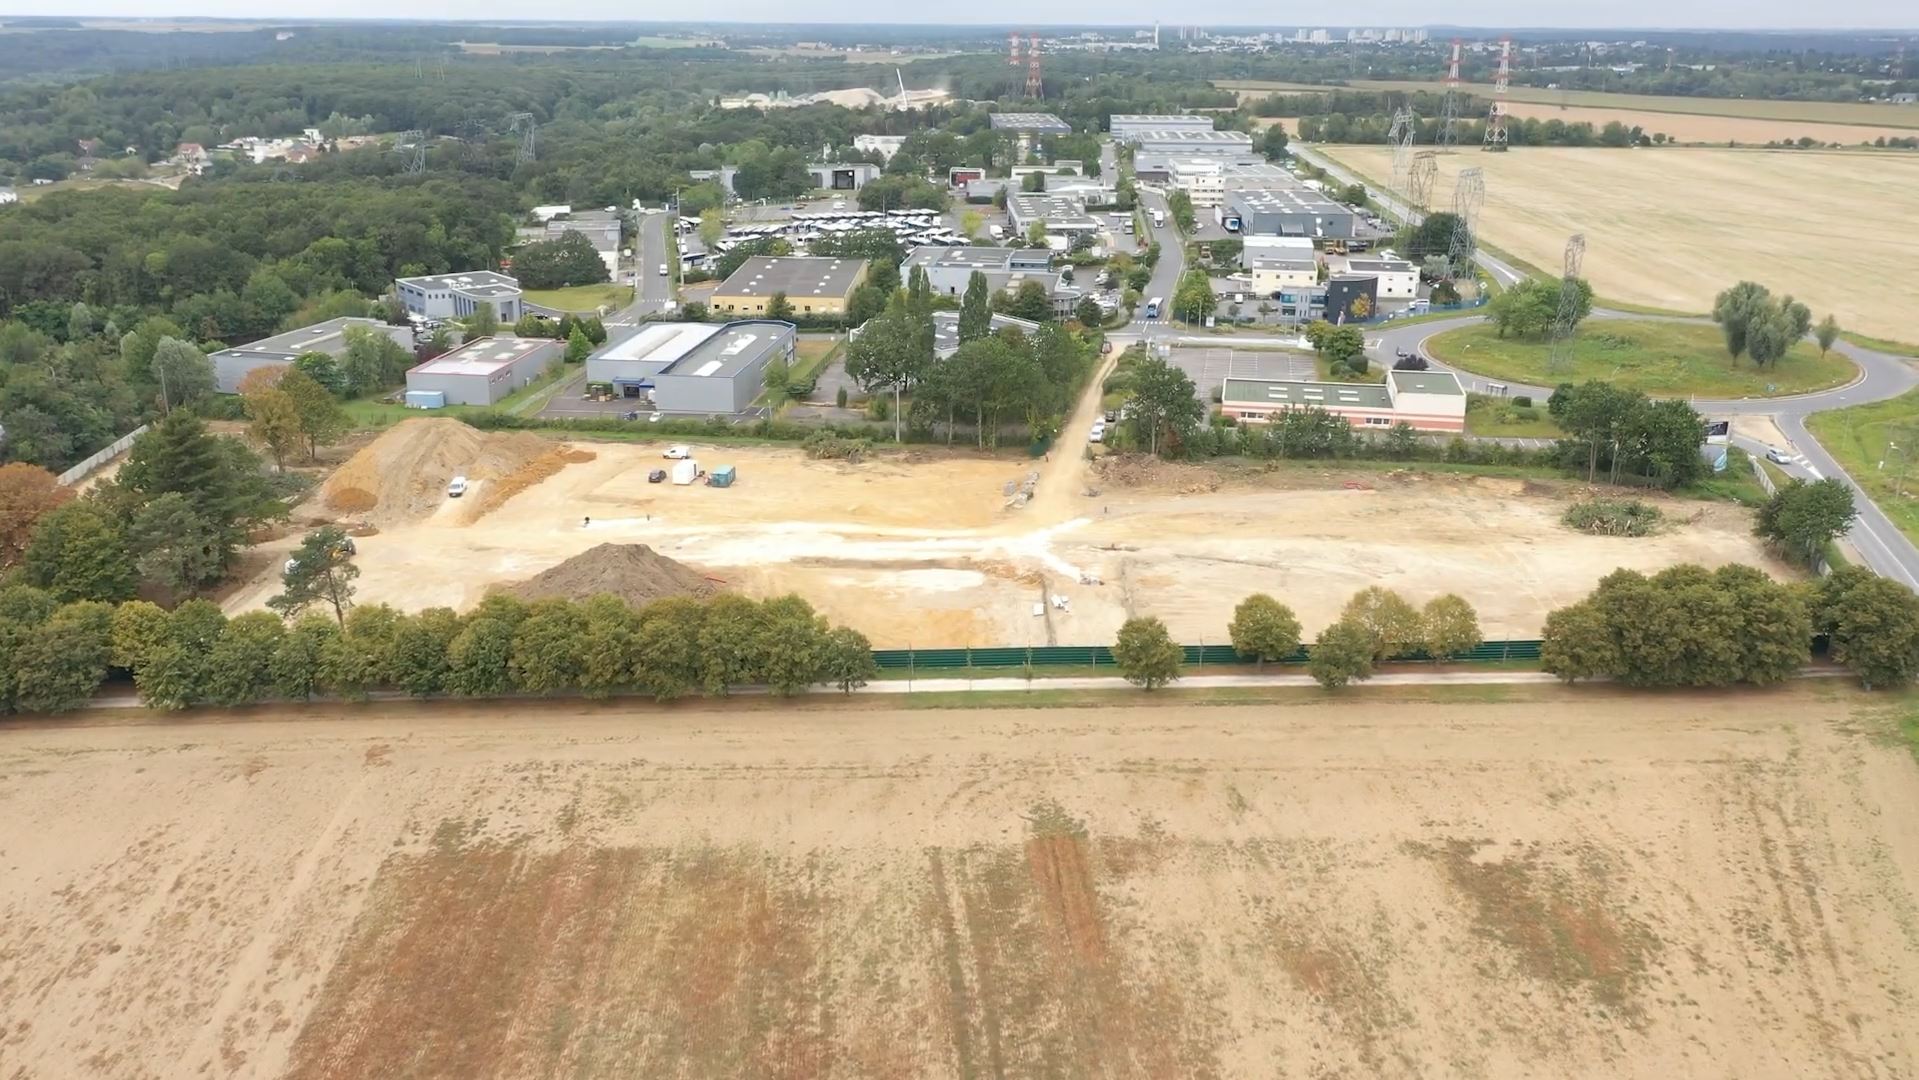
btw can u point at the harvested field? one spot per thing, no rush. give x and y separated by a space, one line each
1671 228
922 549
1719 130
1574 884
1825 112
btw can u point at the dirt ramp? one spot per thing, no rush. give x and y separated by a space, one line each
633 572
402 475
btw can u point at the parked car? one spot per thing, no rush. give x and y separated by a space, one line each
1105 347
1111 415
677 453
1098 435
657 476
457 488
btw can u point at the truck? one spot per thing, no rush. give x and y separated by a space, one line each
996 232
1159 219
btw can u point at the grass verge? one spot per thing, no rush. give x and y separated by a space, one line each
1863 440
582 299
1896 348
1661 358
1497 417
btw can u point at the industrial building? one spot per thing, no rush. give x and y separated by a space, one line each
1201 180
1123 125
456 296
1240 175
1191 142
817 286
723 176
1423 400
1157 168
946 340
843 175
1343 295
480 372
1398 279
883 145
1273 273
1030 123
600 227
1288 213
1057 215
329 337
949 269
694 367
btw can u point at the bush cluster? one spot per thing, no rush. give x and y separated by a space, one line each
1684 626
54 657
1613 517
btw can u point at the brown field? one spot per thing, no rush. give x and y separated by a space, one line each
1586 884
1687 128
922 549
1670 228
1818 112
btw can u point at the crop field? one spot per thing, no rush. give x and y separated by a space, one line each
1825 112
1670 228
1528 882
1719 130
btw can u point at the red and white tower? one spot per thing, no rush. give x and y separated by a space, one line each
1033 86
1496 119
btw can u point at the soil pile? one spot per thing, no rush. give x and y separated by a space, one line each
633 572
402 475
1145 471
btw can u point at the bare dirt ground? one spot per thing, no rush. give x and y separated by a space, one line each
1671 228
1565 884
922 549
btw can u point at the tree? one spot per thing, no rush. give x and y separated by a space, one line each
848 660
1734 311
577 346
777 378
606 646
894 350
184 373
1343 654
779 307
240 669
1264 629
273 420
27 494
79 552
1180 205
1272 143
1344 347
1530 308
1164 405
420 646
483 323
712 226
174 547
1145 653
1449 627
1088 313
668 643
546 647
1193 296
319 418
1361 307
567 259
1391 624
971 222
324 370
1577 643
1030 302
220 477
1872 624
1802 518
321 572
1826 334
479 659
57 664
1353 195
975 316
298 661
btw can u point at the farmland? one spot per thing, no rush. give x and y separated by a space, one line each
1818 112
1719 130
1668 229
1520 883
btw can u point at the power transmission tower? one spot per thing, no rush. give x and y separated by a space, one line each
1400 135
528 129
1033 85
1496 119
1469 194
1449 111
473 136
1419 182
1568 318
411 146
1012 49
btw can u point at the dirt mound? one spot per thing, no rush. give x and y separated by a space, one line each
402 475
633 572
1145 471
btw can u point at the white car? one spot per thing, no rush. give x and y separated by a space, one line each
677 453
662 269
1098 433
1778 456
457 488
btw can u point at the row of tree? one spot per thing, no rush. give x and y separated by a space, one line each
54 656
1764 327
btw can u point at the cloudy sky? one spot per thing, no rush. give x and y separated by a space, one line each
1748 14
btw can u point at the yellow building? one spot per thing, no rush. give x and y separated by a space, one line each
815 286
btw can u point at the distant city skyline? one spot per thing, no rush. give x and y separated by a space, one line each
1622 16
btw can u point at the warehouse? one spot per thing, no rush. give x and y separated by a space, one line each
1121 125
694 367
814 286
1258 176
949 269
456 296
480 372
1157 168
329 337
1191 142
1056 215
1030 123
843 175
1423 400
1288 213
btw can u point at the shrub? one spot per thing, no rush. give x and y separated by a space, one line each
1523 401
827 446
1613 517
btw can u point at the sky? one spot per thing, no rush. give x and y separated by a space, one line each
1644 14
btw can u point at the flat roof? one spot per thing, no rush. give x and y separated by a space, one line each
977 257
794 275
1149 118
1286 392
1281 262
1287 201
660 343
1426 382
474 282
327 337
946 328
1054 209
730 349
1380 266
485 356
1044 123
1191 137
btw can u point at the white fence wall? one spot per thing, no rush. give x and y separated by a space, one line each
80 472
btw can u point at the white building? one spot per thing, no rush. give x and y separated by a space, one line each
1273 273
1398 279
883 145
1201 179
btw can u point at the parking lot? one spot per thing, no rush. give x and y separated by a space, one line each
1207 367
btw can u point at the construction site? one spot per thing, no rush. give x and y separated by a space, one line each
929 547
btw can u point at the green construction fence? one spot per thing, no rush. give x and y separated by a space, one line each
1102 656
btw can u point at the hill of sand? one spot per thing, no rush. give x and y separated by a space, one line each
633 572
402 475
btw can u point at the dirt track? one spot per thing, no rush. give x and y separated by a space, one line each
1596 886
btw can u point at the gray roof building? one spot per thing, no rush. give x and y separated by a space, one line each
1055 213
455 296
695 367
1443 383
329 337
949 269
1186 141
1157 165
843 175
946 330
794 275
1298 212
1258 176
482 372
1123 124
1030 123
1239 391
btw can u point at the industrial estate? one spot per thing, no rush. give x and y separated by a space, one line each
716 550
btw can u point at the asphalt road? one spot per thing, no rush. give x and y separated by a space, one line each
651 292
1172 263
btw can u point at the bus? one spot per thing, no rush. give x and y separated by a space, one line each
1152 307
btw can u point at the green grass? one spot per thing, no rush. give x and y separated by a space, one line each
1323 371
1896 348
1498 417
582 299
1859 439
1736 484
1663 359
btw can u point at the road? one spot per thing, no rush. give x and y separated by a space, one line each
652 293
1172 263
